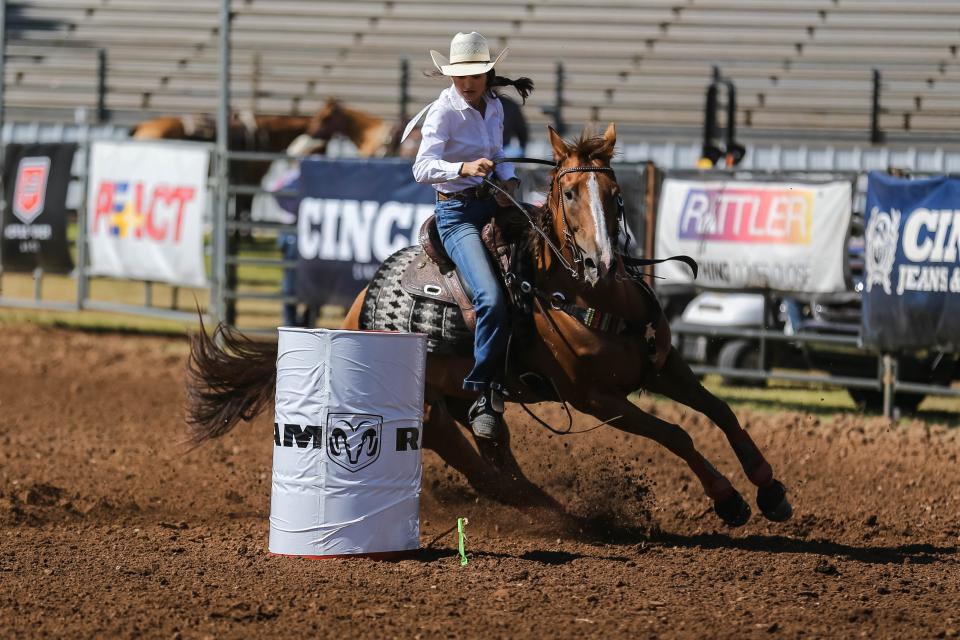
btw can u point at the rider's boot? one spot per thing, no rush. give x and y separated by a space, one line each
486 415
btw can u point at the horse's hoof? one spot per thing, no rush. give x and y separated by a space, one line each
773 503
734 511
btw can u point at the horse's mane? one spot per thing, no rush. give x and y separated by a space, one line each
591 148
532 241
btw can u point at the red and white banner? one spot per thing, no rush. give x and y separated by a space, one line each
788 237
145 211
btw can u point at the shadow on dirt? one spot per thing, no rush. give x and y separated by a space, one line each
898 554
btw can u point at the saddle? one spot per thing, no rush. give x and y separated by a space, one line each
436 277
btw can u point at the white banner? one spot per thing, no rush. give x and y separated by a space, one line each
145 211
783 236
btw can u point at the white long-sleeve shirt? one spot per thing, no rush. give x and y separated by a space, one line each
454 133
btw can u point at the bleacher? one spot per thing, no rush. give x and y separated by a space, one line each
802 69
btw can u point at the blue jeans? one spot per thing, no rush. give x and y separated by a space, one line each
459 223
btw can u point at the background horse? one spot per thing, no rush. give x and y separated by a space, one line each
596 335
247 132
375 137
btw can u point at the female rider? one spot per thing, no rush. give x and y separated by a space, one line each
462 136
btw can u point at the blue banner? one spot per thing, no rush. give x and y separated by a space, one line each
911 288
352 215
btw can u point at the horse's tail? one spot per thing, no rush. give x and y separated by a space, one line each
228 383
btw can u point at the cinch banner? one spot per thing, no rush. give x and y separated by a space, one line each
784 236
35 179
145 211
911 289
352 216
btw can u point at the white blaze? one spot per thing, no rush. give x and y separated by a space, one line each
596 208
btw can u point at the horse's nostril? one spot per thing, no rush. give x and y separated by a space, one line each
589 263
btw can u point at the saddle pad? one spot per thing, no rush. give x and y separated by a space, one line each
388 307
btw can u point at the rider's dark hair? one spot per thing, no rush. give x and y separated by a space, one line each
523 85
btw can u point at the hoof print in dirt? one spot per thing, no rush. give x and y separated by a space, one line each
773 503
734 511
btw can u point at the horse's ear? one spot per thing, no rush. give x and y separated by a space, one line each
609 142
332 102
560 150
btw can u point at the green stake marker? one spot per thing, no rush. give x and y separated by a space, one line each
461 523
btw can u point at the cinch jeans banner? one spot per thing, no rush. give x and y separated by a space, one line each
911 289
352 216
786 236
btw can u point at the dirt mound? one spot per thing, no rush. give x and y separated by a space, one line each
111 526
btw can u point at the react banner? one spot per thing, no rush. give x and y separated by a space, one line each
35 179
352 216
784 236
145 211
911 289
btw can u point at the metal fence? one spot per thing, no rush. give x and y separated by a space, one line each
887 378
84 281
228 229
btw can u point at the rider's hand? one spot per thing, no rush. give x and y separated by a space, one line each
481 167
510 186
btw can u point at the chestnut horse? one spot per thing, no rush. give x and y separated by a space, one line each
247 132
597 335
372 136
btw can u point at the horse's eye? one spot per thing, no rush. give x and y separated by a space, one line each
568 194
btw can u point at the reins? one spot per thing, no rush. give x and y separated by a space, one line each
632 264
568 238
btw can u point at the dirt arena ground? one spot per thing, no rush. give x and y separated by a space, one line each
110 527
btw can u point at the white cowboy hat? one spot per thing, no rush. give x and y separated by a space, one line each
469 56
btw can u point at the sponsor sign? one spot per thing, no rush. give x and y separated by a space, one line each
145 211
351 217
36 178
787 237
911 288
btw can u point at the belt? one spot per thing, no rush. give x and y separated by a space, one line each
472 193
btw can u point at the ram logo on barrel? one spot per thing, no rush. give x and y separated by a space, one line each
353 439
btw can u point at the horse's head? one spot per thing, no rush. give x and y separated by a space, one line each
331 119
585 202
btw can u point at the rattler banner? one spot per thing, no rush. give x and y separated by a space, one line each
911 289
777 236
35 179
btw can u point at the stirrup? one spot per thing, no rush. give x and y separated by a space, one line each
484 418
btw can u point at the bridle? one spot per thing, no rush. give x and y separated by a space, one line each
568 240
632 265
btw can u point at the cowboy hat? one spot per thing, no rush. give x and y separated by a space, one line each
469 56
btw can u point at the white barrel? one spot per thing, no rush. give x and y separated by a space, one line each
347 434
